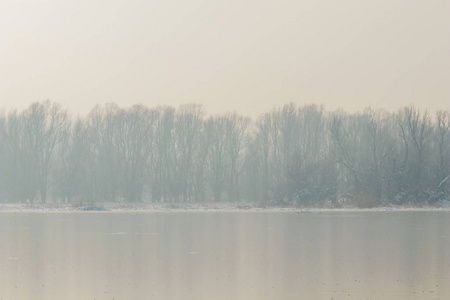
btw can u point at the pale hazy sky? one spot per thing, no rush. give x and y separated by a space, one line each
247 56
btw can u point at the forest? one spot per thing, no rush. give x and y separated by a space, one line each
292 155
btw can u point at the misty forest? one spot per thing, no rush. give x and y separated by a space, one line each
292 155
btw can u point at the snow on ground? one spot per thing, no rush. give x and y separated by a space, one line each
192 207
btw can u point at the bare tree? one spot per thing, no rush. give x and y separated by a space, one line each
188 128
72 177
104 145
2 157
215 131
44 126
135 132
343 139
443 174
416 129
291 154
163 161
236 128
263 142
380 146
442 129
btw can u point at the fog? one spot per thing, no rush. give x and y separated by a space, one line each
291 155
226 55
197 149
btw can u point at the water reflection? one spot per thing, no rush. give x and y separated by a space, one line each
225 256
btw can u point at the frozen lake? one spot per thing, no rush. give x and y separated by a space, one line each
225 255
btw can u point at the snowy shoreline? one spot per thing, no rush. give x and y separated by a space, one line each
222 207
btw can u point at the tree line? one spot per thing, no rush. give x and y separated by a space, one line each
292 155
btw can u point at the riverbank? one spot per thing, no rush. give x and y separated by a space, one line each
200 207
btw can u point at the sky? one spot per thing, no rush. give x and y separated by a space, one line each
237 55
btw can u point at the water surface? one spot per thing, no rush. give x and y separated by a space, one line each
225 255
